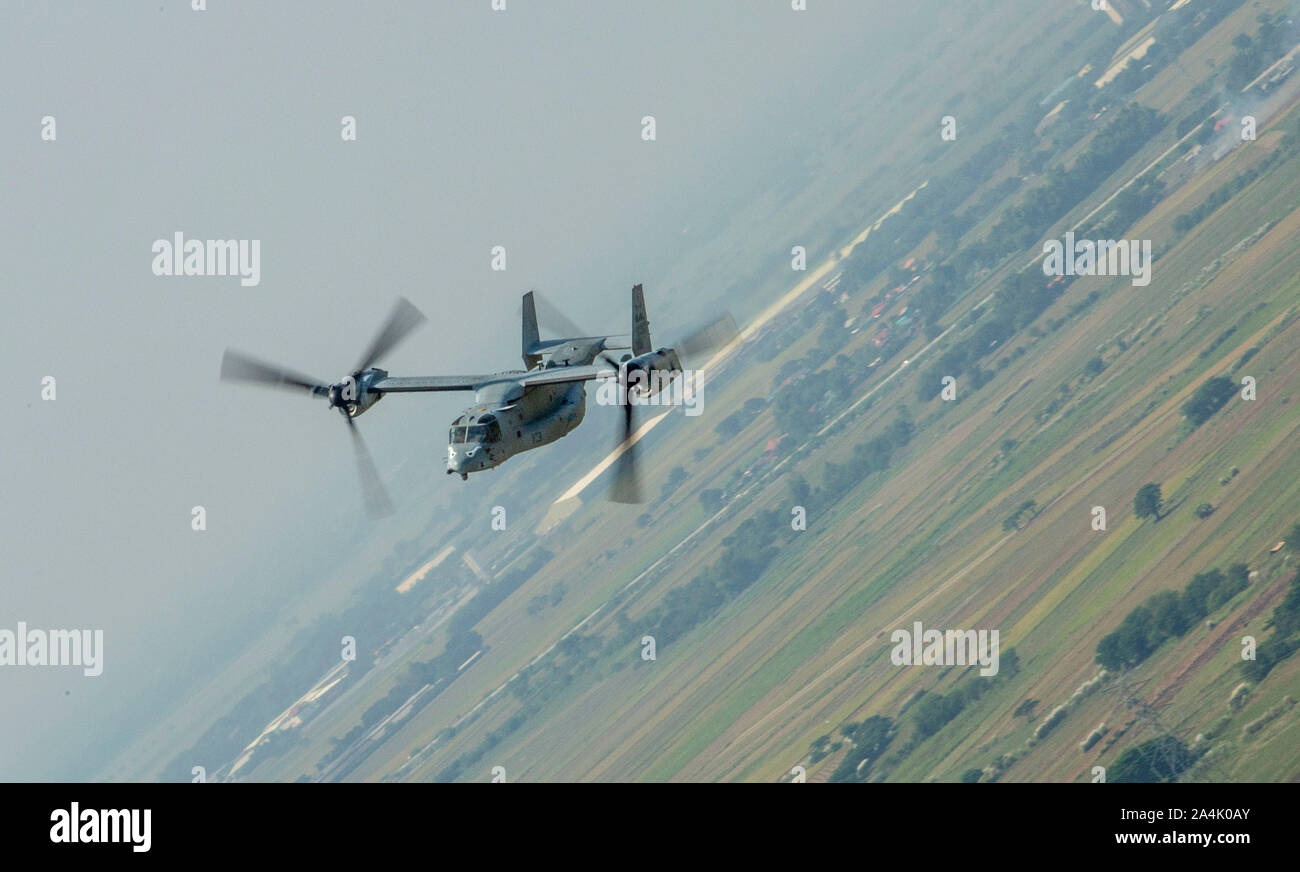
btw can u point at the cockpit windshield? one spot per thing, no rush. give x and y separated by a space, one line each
489 432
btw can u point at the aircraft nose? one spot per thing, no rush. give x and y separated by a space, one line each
467 458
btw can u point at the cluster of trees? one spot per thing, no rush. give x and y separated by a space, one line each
805 395
1022 224
1025 295
1174 33
676 478
1209 398
1012 521
944 284
741 418
936 207
474 756
535 687
933 208
931 712
1121 138
1218 340
1129 205
1168 615
873 455
492 595
711 499
1197 116
746 553
1254 54
1019 302
1021 299
459 648
870 739
539 603
1185 221
1158 760
1286 628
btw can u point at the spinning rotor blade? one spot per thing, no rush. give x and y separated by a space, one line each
240 367
627 479
378 503
403 319
712 336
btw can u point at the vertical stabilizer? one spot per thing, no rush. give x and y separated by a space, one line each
640 323
531 336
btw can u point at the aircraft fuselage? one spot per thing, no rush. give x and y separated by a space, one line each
508 420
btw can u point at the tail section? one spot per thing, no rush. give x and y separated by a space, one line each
640 323
531 337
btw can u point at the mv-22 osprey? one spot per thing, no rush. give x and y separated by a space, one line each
513 411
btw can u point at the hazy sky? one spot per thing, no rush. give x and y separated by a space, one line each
519 128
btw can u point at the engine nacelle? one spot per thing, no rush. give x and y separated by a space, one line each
353 394
650 373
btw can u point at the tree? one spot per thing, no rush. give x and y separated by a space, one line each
933 711
1209 398
1157 760
869 738
1029 507
1148 502
1171 616
1286 617
800 490
676 476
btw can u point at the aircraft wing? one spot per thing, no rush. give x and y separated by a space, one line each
408 384
561 374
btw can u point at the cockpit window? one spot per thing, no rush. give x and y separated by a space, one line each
490 432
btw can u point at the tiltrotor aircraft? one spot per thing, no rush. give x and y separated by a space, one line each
513 411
